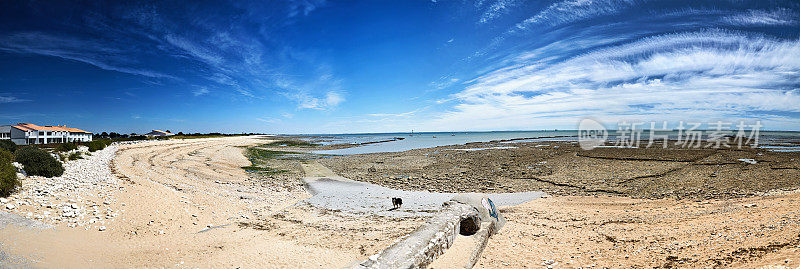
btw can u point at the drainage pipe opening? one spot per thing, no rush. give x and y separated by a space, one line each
469 225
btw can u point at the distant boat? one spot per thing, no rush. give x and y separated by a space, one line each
434 136
452 134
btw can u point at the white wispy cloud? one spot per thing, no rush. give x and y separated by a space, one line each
572 10
200 91
497 9
781 16
269 120
401 115
709 74
333 99
198 52
306 101
303 6
320 90
11 99
146 39
246 93
87 51
443 82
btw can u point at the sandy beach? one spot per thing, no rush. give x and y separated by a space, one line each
188 203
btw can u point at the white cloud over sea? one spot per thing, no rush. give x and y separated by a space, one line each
713 74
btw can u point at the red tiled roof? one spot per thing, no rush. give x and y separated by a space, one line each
159 131
34 127
23 128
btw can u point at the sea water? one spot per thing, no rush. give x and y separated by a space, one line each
426 140
769 140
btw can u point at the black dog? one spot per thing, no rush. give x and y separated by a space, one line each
396 202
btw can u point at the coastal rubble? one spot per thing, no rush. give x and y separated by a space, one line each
80 197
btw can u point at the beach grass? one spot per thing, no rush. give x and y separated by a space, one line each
263 169
260 158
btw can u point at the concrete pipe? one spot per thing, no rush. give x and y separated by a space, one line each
466 214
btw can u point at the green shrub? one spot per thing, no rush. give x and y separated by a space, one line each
37 162
8 145
8 174
64 147
75 155
6 157
96 145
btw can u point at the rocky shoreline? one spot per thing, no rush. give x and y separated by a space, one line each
562 168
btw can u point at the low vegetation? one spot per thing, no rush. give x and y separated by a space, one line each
259 153
260 157
8 174
7 145
38 162
75 155
262 169
64 147
290 143
98 144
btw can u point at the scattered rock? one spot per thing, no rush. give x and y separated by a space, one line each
750 161
82 178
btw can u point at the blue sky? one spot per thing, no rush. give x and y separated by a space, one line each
316 66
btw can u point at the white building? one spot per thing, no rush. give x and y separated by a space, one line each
159 133
28 133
